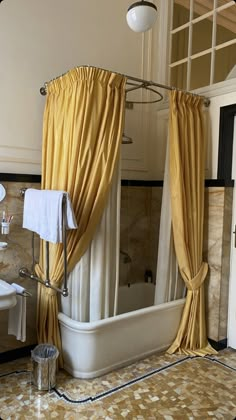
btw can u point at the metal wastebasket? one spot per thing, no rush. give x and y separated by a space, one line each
44 358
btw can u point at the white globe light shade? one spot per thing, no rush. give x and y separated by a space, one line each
141 16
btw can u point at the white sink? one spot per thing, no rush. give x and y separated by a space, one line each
7 295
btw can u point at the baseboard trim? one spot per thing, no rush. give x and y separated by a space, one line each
218 345
10 355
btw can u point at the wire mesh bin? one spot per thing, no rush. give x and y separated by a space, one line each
44 358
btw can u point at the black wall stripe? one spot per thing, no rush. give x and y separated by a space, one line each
218 345
141 183
14 354
124 182
20 178
156 183
226 131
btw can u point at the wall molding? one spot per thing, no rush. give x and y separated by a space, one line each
218 89
21 159
16 154
135 157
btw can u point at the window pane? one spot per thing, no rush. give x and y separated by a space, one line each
225 63
180 13
222 2
179 45
202 36
226 25
200 71
202 40
179 76
200 7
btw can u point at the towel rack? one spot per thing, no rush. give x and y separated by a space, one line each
24 272
24 294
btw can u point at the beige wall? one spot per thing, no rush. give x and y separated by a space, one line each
43 39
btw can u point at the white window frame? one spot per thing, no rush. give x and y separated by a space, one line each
164 46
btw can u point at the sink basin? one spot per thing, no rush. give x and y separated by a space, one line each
7 295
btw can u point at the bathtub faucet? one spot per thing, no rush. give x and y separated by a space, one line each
125 257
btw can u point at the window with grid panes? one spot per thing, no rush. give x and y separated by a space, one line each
203 43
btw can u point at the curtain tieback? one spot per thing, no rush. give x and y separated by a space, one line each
196 282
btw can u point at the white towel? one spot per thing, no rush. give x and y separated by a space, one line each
43 213
17 315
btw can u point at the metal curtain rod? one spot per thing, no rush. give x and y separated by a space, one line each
144 84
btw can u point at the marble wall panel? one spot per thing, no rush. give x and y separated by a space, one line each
225 272
212 253
155 227
140 218
18 254
217 237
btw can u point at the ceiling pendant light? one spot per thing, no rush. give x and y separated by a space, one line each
141 16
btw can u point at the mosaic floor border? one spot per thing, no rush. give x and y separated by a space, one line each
92 399
162 386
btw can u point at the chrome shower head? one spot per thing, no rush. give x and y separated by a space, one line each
126 139
125 257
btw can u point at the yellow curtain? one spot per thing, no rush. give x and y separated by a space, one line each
187 164
82 129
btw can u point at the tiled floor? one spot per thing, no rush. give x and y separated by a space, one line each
159 387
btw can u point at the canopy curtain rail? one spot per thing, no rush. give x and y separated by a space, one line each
142 83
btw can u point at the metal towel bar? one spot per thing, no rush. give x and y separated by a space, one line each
24 272
25 293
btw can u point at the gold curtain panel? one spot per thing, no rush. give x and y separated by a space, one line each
187 164
82 130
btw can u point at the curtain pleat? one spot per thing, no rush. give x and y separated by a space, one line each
92 284
169 285
82 129
187 163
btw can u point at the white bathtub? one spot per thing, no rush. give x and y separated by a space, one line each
91 349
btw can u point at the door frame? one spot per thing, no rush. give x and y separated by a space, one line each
231 330
227 172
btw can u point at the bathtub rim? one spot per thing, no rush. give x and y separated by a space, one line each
102 323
